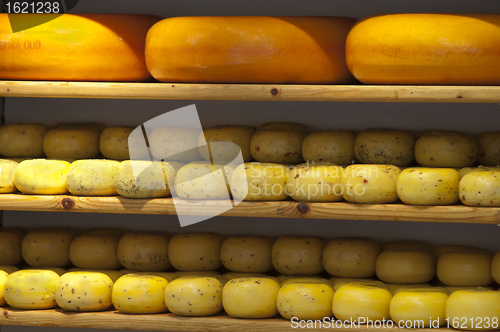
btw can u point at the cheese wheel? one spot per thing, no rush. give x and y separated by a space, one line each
466 170
31 289
370 184
84 291
405 266
114 232
74 47
424 307
203 180
406 245
249 49
194 296
305 300
488 145
259 182
298 255
465 268
47 247
358 302
232 275
277 146
329 146
72 142
285 126
113 274
3 278
409 49
312 183
94 252
247 253
252 297
23 139
480 189
453 289
428 186
42 177
92 177
495 268
339 282
195 251
144 251
225 143
477 309
174 143
439 251
113 142
8 268
139 294
10 246
441 148
395 288
350 258
382 146
7 173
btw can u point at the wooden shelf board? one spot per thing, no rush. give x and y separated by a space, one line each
264 92
269 209
162 322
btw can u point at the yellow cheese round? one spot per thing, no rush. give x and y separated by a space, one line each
441 148
113 274
382 146
371 184
320 183
440 250
477 309
466 170
247 253
203 180
424 307
113 142
428 186
84 291
7 173
259 182
395 288
277 146
3 278
194 296
42 177
329 146
92 177
31 289
144 251
47 247
140 294
114 232
495 267
480 189
406 245
298 255
72 142
406 266
195 251
488 145
10 246
225 143
94 252
8 268
232 275
22 140
350 258
173 143
465 268
305 300
285 126
253 297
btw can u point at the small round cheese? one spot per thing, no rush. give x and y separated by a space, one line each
350 258
22 140
488 145
3 278
286 126
113 142
277 146
251 297
225 143
441 148
329 146
195 251
382 146
428 186
203 180
84 291
465 268
495 268
477 309
72 142
47 247
10 246
320 183
406 245
173 143
139 294
259 182
144 251
298 255
95 252
406 266
466 170
42 177
439 251
247 253
480 189
371 184
7 173
92 177
31 289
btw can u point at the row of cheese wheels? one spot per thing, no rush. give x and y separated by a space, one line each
275 142
386 49
406 262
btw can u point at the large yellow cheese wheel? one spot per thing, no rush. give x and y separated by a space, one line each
488 145
298 255
3 278
477 309
329 146
75 47
10 246
42 177
465 268
350 258
305 300
175 143
140 294
195 251
92 177
259 182
277 146
72 142
426 49
94 252
495 267
144 251
406 266
203 180
24 139
84 291
315 183
249 50
382 146
31 289
225 143
113 142
480 189
47 247
442 148
7 173
247 253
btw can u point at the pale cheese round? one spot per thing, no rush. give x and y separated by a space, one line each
277 146
47 247
31 289
84 291
247 253
10 246
42 177
383 146
203 180
259 182
225 143
144 251
351 258
298 255
22 140
95 252
113 142
139 294
92 177
72 142
305 300
336 147
465 268
195 251
315 183
477 309
7 174
406 266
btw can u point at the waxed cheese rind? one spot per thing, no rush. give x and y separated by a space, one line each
92 177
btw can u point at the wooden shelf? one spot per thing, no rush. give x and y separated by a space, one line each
270 209
265 92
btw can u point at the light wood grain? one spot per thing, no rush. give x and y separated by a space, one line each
357 93
270 209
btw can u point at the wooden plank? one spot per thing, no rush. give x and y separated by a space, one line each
263 92
163 322
269 209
